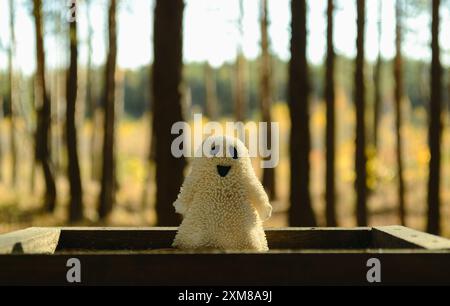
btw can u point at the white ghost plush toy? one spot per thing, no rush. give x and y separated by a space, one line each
222 201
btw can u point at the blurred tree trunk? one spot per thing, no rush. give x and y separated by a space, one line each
33 142
167 109
1 137
239 100
1 147
301 212
360 103
268 179
148 162
148 165
96 141
56 89
377 79
76 192
12 93
398 76
91 105
43 113
435 129
108 179
211 92
330 97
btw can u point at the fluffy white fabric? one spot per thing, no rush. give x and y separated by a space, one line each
222 212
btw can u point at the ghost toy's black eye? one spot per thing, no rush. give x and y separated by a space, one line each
214 150
234 153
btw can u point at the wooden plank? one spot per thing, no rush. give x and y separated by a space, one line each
45 240
115 238
32 240
299 268
403 237
318 238
157 238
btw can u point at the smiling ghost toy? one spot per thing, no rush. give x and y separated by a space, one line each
222 201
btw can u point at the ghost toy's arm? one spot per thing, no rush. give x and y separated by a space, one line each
185 196
259 199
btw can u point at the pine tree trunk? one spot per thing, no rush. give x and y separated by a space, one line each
57 79
108 179
167 109
268 178
91 105
43 113
239 88
330 96
448 91
377 80
360 103
398 76
33 139
435 129
301 212
76 192
11 98
1 138
95 143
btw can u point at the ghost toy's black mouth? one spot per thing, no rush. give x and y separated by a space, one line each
223 170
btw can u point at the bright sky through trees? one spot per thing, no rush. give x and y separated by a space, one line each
210 31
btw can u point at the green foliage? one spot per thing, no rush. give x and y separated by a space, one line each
136 91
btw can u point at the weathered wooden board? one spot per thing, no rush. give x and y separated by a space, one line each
296 268
143 256
115 238
403 237
155 238
319 238
32 240
49 240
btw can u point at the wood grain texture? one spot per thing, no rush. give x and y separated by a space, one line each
298 256
32 240
116 238
49 240
155 238
318 238
282 238
403 237
297 268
